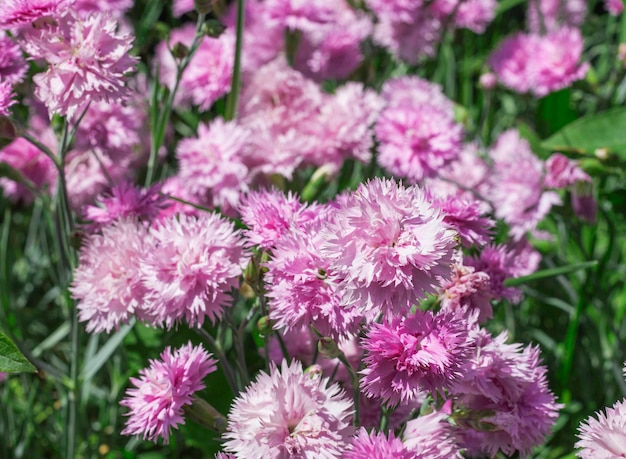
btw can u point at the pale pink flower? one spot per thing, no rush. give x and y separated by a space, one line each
475 15
516 184
163 390
549 15
333 51
208 75
189 267
303 15
377 445
614 7
270 215
388 247
289 414
431 436
211 166
173 188
507 384
32 164
421 352
6 97
300 288
125 200
416 142
468 292
562 172
3 376
604 437
181 7
511 61
107 282
13 66
88 60
116 8
411 91
20 12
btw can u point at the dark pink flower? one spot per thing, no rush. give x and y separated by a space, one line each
467 217
562 172
468 293
422 352
614 7
6 97
20 12
13 66
163 389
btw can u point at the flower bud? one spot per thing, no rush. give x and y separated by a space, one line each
328 348
265 326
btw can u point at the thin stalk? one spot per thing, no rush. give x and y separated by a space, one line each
354 378
217 349
235 86
158 134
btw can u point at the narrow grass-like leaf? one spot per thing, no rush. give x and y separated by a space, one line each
11 359
105 352
517 281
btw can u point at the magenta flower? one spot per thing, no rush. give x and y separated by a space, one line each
508 384
300 289
289 414
409 91
431 436
388 247
6 97
107 282
604 437
377 445
422 352
116 8
614 7
13 67
416 142
189 267
467 217
303 15
88 60
20 12
125 201
211 165
475 15
562 172
163 389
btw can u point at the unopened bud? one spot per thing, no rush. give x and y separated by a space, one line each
204 414
203 6
180 51
213 28
328 348
488 81
314 371
246 291
264 325
8 132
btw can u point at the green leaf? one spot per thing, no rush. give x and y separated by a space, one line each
105 352
593 132
517 281
11 359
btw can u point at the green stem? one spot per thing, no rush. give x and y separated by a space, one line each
158 133
235 85
354 378
219 352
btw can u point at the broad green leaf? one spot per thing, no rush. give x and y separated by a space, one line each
517 281
11 359
590 133
555 111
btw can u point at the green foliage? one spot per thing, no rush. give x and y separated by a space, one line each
11 359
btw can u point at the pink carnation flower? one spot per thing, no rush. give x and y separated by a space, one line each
20 12
163 389
410 91
208 75
614 7
189 267
270 215
501 263
468 293
467 217
508 384
181 7
300 289
431 436
604 437
107 282
289 413
475 15
211 165
303 15
377 445
516 185
6 97
416 142
422 352
562 172
32 164
388 247
116 8
125 201
333 51
13 67
88 61
549 15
